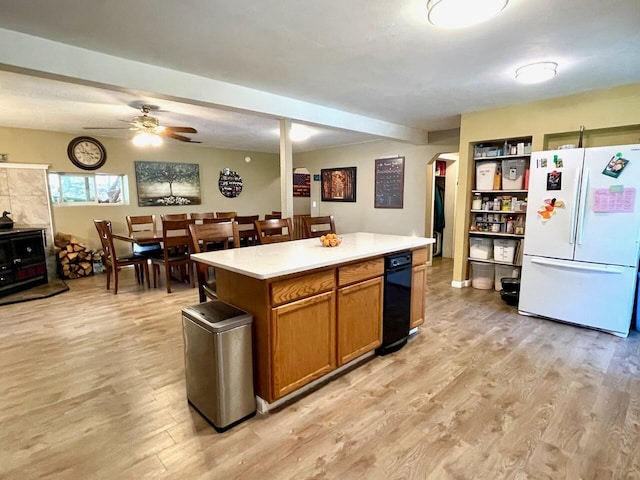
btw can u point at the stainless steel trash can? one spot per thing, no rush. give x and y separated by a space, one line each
218 362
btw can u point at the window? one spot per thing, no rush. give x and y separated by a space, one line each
88 188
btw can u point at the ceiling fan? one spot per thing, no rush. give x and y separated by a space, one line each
150 125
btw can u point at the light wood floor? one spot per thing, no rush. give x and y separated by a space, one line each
93 387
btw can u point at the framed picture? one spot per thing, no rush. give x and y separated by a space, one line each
389 183
167 183
338 184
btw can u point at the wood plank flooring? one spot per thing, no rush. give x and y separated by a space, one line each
93 387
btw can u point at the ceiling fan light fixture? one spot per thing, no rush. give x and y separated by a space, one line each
462 13
145 139
536 72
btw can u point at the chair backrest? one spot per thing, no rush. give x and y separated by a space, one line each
217 220
230 215
272 216
175 233
202 216
204 235
246 222
141 223
173 216
104 232
318 226
272 231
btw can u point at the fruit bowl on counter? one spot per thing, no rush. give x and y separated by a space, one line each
330 240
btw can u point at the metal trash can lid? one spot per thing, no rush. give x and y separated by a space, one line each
217 316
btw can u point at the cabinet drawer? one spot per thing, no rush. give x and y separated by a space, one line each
360 271
420 257
286 291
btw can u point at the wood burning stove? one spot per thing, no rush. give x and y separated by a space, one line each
22 259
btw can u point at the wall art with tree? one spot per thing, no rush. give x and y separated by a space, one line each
167 183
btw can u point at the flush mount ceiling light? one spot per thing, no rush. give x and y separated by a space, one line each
299 133
463 13
144 139
536 72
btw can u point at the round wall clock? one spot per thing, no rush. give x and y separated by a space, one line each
86 153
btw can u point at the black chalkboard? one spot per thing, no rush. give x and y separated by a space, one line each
389 188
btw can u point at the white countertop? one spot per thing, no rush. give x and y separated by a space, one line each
277 259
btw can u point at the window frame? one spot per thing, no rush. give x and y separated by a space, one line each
88 177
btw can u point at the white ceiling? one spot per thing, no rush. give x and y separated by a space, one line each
378 59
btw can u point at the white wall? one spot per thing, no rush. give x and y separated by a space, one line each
361 215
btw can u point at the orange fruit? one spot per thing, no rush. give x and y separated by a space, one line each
333 242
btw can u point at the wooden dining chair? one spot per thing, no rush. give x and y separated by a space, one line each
318 226
143 223
175 252
230 215
202 238
199 217
272 231
173 216
216 220
247 229
112 262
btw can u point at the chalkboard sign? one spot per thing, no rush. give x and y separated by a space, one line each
389 188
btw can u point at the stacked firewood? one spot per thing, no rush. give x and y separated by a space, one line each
74 259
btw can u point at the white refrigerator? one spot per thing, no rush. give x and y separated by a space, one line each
582 237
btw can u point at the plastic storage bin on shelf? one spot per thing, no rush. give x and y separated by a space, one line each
513 174
481 248
482 275
485 175
505 271
504 249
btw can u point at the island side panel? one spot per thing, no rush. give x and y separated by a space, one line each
251 295
418 286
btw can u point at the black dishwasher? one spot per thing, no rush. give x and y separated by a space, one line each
396 312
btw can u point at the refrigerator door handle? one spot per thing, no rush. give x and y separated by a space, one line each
583 204
574 213
579 266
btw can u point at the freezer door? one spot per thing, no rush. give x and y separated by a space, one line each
610 236
554 237
598 296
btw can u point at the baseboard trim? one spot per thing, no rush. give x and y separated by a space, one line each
464 283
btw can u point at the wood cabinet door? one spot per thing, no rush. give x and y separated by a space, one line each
303 337
359 319
418 288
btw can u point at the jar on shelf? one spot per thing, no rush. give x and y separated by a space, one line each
476 204
506 204
509 225
497 203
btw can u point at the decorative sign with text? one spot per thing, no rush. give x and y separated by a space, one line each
389 182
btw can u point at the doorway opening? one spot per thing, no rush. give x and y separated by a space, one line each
442 184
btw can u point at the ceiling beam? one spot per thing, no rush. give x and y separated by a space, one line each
41 57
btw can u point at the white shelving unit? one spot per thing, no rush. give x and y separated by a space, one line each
490 221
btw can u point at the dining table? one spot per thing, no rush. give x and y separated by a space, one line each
148 237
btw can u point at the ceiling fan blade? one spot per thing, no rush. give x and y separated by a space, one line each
182 129
182 138
106 128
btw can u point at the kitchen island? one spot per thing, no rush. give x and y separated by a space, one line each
315 309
